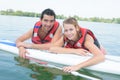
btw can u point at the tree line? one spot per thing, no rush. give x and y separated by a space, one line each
33 14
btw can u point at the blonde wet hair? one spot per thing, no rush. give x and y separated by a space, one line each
72 21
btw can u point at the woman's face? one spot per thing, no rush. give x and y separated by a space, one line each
70 31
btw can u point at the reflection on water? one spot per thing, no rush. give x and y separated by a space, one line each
47 73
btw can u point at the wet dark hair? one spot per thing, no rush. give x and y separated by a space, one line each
48 12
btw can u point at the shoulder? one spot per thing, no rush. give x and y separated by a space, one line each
37 23
89 40
59 28
30 31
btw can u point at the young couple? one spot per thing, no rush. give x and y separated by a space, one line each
47 35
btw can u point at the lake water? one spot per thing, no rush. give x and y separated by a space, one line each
14 68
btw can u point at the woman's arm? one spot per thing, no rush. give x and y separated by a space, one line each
98 56
58 48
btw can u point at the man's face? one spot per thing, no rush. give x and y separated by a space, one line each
47 22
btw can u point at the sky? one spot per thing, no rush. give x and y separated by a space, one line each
81 8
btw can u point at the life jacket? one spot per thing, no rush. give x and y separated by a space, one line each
80 42
36 38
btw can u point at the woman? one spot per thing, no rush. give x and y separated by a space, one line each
79 41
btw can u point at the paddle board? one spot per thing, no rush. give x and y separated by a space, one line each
110 65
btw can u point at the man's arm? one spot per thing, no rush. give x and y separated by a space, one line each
25 36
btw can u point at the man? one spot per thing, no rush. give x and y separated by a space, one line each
45 32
